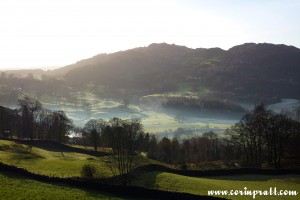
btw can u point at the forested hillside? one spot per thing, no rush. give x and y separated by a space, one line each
245 72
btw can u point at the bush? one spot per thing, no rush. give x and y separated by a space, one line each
88 171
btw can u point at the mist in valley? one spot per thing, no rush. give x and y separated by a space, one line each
156 118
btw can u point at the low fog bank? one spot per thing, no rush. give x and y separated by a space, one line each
156 117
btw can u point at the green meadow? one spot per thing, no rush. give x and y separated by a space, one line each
51 163
57 162
69 164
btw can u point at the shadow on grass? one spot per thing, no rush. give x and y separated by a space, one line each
20 151
27 156
51 145
147 180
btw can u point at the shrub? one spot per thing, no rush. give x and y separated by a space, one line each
88 171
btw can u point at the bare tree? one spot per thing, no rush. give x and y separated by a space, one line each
261 133
124 138
29 109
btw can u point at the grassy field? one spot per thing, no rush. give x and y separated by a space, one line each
201 186
18 187
55 162
68 164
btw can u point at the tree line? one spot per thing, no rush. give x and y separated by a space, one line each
200 103
205 148
32 121
261 138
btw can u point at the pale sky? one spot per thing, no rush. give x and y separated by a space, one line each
47 33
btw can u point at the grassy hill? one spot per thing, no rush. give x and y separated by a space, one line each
58 162
53 163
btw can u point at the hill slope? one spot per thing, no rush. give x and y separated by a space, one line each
248 71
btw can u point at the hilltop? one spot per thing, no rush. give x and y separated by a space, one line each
244 72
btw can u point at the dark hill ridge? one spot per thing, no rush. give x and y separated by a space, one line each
140 68
245 72
261 71
158 66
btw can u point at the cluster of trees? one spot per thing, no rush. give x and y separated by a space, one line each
100 133
262 136
31 121
206 148
186 102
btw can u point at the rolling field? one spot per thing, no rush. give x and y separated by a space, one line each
200 186
54 163
58 163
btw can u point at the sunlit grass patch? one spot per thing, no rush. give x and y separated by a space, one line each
200 186
54 163
57 163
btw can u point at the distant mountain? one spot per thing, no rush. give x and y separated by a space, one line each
250 71
24 72
158 67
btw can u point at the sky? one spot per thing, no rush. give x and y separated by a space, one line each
53 33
